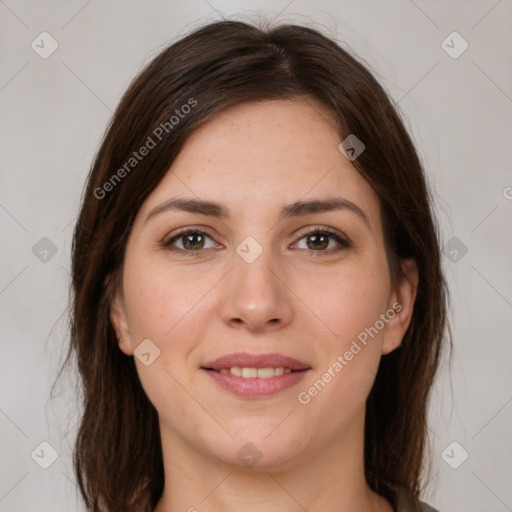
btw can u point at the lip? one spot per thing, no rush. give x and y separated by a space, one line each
255 387
246 360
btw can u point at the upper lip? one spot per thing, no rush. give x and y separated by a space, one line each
246 360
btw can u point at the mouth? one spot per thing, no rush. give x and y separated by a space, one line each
255 375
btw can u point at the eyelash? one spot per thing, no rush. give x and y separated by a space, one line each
344 243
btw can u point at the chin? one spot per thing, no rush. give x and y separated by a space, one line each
261 449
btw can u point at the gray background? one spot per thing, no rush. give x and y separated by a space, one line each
55 110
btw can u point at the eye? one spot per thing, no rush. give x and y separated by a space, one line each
189 241
320 240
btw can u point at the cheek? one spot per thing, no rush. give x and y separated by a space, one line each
160 300
349 300
350 304
174 309
162 306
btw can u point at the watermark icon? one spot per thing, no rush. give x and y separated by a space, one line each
304 397
146 352
454 455
351 147
507 193
454 45
249 455
44 45
44 250
249 249
44 455
151 142
455 249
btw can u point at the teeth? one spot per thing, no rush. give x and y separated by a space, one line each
251 373
266 373
236 371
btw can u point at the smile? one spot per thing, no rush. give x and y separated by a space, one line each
255 375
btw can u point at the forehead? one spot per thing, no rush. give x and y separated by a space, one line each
264 155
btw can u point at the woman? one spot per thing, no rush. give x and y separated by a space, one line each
258 302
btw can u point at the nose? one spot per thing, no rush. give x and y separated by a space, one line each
255 296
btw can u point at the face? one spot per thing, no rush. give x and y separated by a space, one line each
267 303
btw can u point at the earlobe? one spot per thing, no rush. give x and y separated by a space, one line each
402 304
120 324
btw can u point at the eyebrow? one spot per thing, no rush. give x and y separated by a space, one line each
296 209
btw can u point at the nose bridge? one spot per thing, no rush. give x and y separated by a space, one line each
255 294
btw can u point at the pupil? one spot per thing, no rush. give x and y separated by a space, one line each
321 239
189 240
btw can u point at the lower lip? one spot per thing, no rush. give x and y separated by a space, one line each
255 387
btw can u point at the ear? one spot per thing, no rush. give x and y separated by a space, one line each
119 322
400 307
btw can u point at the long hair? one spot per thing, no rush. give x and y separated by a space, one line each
118 457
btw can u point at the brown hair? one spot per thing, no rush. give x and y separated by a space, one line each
117 456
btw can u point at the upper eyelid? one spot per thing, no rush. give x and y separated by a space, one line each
320 227
184 231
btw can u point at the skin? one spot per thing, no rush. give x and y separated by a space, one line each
254 159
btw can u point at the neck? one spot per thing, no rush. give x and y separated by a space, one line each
329 479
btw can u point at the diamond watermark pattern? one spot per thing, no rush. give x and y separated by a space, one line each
249 455
454 455
455 249
146 352
44 250
249 250
351 147
44 45
454 45
44 455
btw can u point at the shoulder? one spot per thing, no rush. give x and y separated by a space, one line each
407 503
427 508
